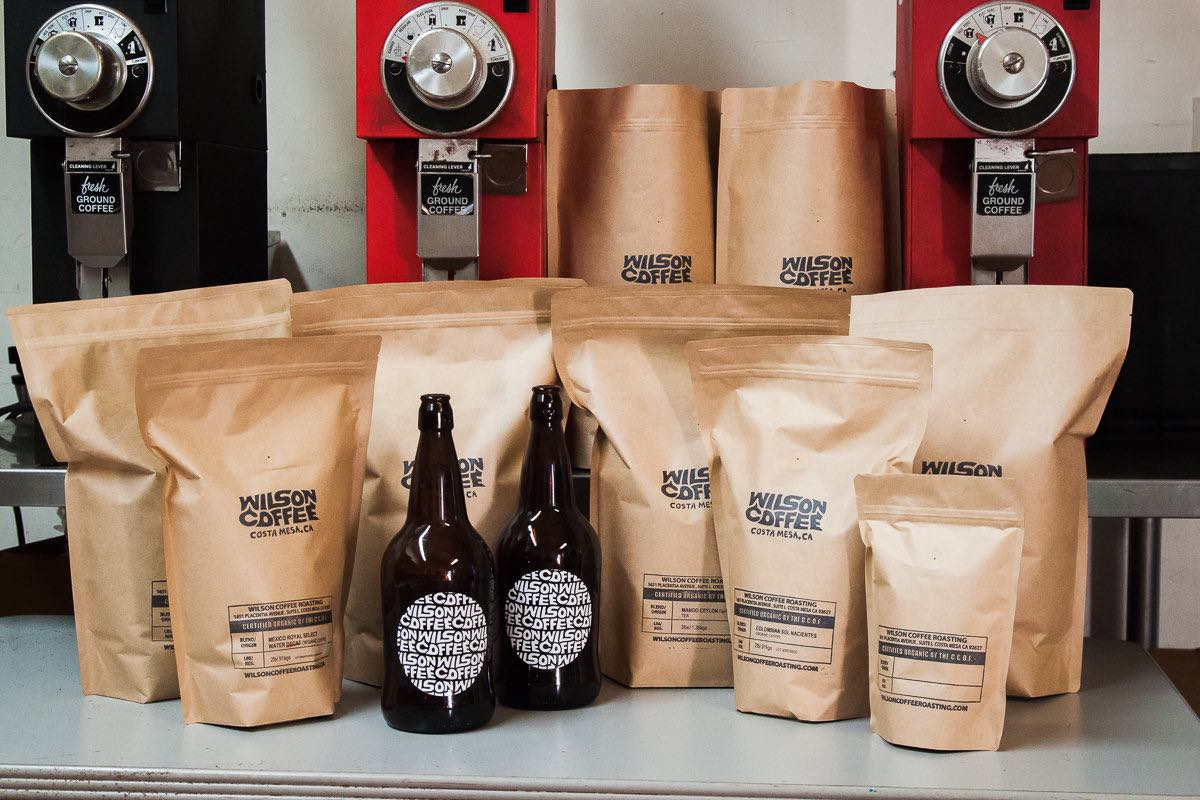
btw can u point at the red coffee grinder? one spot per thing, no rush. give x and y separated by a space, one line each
996 105
452 103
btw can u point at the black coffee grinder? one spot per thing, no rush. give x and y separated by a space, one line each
148 154
147 124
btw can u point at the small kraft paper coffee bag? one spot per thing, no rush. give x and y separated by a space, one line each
620 353
265 444
791 421
943 557
80 360
1021 375
630 185
802 184
482 342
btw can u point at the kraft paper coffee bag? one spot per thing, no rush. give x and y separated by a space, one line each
265 444
620 353
482 342
80 359
943 557
802 187
791 420
629 185
1020 378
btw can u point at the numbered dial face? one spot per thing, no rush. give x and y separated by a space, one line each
1006 68
90 70
447 68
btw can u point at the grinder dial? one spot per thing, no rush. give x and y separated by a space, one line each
447 68
1006 68
89 70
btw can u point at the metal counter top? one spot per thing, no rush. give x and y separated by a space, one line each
1128 734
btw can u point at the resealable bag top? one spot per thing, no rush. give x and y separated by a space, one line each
802 187
1021 375
79 360
630 185
485 343
265 443
791 421
943 556
620 353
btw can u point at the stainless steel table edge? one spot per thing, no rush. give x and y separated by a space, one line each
110 783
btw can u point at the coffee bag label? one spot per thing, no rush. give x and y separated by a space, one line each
776 630
472 470
687 487
656 268
548 616
442 642
820 271
789 516
977 469
282 637
931 670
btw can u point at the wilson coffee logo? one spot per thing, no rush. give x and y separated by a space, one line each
472 475
962 468
788 516
687 488
818 271
278 513
657 268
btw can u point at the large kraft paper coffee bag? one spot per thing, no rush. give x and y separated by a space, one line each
79 360
265 444
791 421
802 187
630 185
484 344
943 557
621 355
1021 375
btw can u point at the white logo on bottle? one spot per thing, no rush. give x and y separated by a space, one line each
548 615
442 642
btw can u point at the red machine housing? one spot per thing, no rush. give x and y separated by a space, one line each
937 150
512 236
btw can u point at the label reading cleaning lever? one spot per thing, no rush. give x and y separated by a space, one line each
1003 200
448 209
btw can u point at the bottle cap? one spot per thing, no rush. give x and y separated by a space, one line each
435 413
546 405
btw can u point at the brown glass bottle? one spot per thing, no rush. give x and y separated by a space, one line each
439 603
549 591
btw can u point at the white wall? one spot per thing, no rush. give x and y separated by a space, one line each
1150 75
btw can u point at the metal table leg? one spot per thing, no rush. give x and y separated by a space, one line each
1145 557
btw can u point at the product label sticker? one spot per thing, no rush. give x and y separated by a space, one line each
281 637
690 607
160 613
548 617
946 667
93 193
1004 188
781 631
445 194
442 642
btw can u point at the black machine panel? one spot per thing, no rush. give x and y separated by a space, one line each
186 72
1143 234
